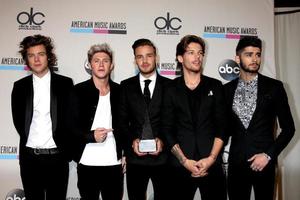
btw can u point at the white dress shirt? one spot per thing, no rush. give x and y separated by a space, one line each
40 133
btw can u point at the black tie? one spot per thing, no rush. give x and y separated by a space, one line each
147 91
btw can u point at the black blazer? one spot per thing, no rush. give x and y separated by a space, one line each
83 107
22 109
132 114
271 104
177 120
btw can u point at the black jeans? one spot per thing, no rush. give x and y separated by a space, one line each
107 180
138 177
241 179
44 176
211 187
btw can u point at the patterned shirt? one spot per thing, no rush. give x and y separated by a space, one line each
244 101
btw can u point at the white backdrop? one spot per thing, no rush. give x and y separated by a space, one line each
76 25
287 31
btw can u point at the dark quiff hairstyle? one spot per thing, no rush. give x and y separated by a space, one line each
247 41
143 42
31 41
184 43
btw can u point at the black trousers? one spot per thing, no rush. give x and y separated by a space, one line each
107 180
241 179
211 187
44 176
138 176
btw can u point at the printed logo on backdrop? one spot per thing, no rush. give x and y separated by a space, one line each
98 27
30 20
8 152
87 67
168 69
15 194
228 32
14 63
167 25
229 69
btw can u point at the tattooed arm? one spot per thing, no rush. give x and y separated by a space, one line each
187 163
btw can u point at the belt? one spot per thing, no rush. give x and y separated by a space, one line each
38 151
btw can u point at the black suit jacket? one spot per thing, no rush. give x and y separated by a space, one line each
22 109
271 104
132 117
177 120
83 108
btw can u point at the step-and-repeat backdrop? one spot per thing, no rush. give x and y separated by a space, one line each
76 25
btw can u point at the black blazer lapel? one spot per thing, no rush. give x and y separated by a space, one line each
261 93
230 97
53 101
156 96
231 91
139 94
28 106
182 98
205 94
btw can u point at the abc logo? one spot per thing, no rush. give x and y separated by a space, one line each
229 69
167 23
24 18
87 67
16 194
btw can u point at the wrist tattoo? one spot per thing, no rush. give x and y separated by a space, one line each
176 151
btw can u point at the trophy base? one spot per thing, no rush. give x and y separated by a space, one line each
146 146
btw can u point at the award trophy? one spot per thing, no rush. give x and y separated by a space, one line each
147 143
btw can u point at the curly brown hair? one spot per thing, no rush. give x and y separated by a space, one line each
35 40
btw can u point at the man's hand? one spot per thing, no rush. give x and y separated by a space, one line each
135 146
203 166
259 161
191 165
159 147
100 134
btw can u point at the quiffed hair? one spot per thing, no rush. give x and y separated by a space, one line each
143 42
247 41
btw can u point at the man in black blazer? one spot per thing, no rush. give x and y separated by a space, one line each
137 111
193 121
38 104
255 102
97 145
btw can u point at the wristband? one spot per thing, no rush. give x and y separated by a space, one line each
267 156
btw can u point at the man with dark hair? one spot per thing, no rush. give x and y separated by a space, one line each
193 122
255 103
140 106
39 104
97 142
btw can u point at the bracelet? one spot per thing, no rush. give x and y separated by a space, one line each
267 156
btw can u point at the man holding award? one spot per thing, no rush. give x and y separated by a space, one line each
140 106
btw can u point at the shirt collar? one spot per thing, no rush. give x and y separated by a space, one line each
45 78
251 82
152 77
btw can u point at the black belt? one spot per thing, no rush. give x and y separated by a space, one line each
38 151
